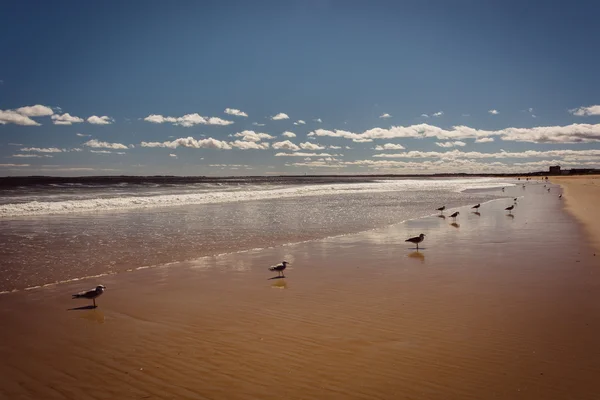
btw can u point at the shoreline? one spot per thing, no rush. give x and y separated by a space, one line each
488 307
581 196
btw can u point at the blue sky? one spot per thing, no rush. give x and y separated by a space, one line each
401 86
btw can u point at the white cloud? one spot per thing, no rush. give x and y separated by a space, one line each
236 112
187 120
43 150
82 135
173 155
389 146
190 142
280 116
105 145
466 115
484 140
76 149
288 134
319 120
13 165
242 145
438 114
456 143
257 124
386 115
457 154
574 133
104 120
251 136
30 156
13 117
300 122
302 155
65 119
530 109
106 152
286 145
424 115
15 144
35 111
311 146
586 111
335 147
494 112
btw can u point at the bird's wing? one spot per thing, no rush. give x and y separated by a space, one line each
85 293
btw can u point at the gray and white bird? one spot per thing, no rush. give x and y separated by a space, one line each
416 240
441 209
279 268
476 206
509 209
90 294
454 215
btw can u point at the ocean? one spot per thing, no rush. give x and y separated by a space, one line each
60 232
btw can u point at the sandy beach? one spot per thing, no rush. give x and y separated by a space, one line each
581 197
494 306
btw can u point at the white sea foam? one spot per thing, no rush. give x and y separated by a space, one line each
247 194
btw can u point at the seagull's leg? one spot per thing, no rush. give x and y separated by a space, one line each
417 246
94 300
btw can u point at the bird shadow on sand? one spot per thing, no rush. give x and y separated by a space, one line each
82 308
442 216
477 213
276 277
454 224
511 216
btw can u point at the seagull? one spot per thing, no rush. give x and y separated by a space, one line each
91 294
548 190
509 209
476 206
416 240
454 215
503 189
441 209
560 196
279 268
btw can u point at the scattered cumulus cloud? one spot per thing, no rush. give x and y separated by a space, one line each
494 112
288 134
318 120
243 145
300 122
236 112
424 115
257 124
251 136
190 142
104 120
43 149
35 111
386 115
280 116
456 143
389 146
286 145
438 114
311 146
173 155
586 111
299 154
484 140
13 117
65 119
94 143
82 135
187 120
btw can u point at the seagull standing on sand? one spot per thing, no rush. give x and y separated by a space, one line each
91 294
560 196
454 215
416 240
509 209
441 209
279 268
476 206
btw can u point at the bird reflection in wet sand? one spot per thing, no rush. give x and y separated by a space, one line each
279 284
511 216
94 316
417 255
477 213
454 224
442 216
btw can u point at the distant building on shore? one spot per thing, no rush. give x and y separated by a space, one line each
555 170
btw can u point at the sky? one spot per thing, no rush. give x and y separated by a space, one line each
292 87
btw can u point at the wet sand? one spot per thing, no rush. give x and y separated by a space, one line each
493 307
581 197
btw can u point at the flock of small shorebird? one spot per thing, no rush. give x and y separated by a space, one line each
98 290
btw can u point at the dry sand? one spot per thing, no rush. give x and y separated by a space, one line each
582 194
493 307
